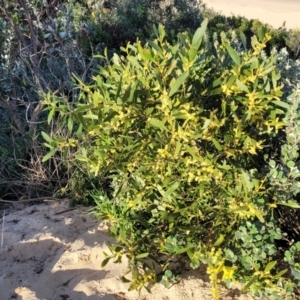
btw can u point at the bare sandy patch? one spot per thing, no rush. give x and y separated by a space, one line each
273 12
49 254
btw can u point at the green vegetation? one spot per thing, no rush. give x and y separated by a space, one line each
179 125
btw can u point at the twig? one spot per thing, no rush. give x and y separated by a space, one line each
32 199
66 210
2 231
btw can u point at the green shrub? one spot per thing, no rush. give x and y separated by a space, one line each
293 41
40 49
292 258
127 20
250 27
38 53
13 150
180 133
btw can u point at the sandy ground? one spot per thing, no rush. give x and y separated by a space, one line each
49 254
273 12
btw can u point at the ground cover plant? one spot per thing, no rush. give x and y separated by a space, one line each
186 139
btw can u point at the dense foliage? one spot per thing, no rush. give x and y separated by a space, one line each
185 139
42 44
183 135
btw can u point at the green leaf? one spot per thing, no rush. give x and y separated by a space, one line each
47 137
132 92
254 41
161 190
206 123
225 166
261 33
96 98
192 53
270 266
275 77
154 45
155 30
217 82
116 59
105 261
134 62
219 240
157 123
161 31
197 38
83 107
272 163
243 39
142 255
217 144
295 273
233 54
281 104
254 63
90 116
48 145
171 67
129 93
216 91
279 274
194 260
252 280
119 87
50 115
259 215
171 189
242 208
178 148
79 131
48 155
242 86
124 279
70 123
292 204
177 84
178 115
230 81
145 54
149 110
268 70
81 157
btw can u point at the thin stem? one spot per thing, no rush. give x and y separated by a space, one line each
2 231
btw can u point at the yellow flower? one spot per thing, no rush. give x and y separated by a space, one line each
228 272
72 142
92 132
130 203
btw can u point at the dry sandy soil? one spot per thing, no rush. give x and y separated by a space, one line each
53 254
273 12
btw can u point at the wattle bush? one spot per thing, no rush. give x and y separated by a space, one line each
180 132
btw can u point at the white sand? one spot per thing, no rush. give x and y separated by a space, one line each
49 256
273 12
